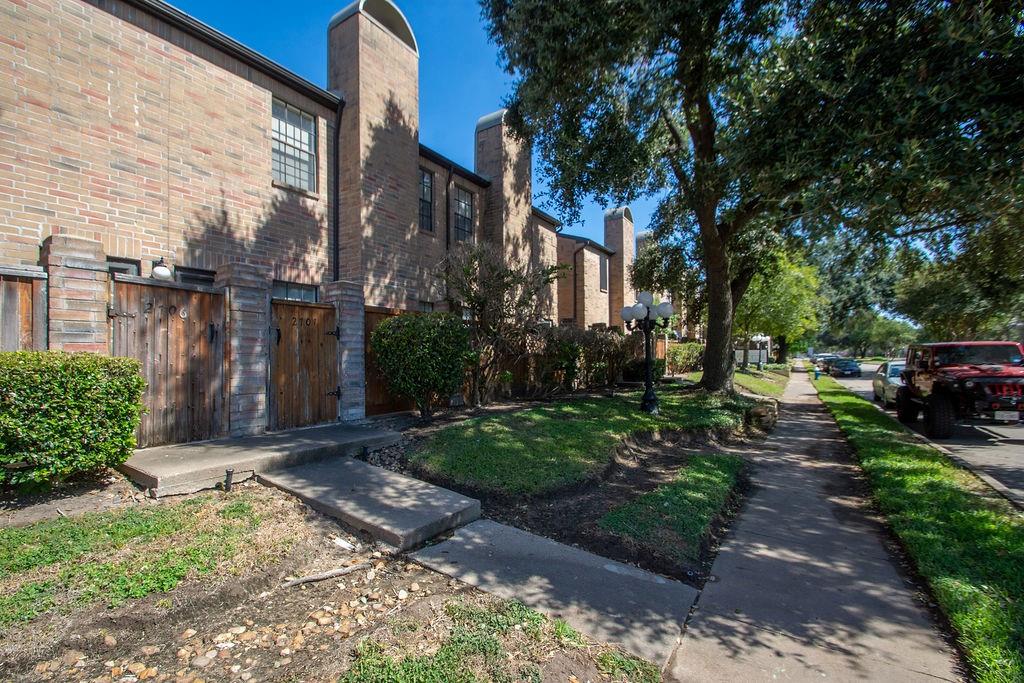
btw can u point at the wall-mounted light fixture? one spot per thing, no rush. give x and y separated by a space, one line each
161 271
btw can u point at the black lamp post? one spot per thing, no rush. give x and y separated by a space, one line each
647 318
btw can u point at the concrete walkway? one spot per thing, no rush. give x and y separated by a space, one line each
803 587
612 602
191 467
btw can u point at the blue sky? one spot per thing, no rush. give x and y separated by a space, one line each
460 79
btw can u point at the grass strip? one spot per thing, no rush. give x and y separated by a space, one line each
544 448
760 383
967 543
675 518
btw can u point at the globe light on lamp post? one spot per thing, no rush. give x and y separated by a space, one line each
647 318
759 339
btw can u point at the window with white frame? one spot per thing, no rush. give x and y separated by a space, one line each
296 291
463 214
293 146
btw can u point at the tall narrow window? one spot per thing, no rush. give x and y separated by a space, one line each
426 200
604 273
293 147
463 214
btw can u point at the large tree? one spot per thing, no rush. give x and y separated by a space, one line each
757 119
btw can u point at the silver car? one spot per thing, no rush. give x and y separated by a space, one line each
886 381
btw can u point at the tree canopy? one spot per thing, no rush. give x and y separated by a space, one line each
763 121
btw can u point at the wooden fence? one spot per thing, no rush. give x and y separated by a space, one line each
22 313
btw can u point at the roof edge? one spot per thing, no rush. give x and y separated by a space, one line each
546 216
189 25
586 241
442 160
491 120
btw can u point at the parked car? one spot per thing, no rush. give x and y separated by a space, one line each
887 381
955 381
823 360
845 367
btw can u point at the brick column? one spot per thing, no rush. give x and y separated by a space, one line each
78 294
348 300
247 358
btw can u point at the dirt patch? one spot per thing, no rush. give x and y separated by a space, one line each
240 624
92 492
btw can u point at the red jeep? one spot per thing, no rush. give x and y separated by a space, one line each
961 381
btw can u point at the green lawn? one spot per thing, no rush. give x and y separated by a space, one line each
544 448
760 383
675 518
111 557
966 542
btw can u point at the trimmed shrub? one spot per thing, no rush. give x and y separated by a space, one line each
568 358
684 357
634 370
422 356
65 413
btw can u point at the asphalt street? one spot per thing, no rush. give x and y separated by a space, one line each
995 450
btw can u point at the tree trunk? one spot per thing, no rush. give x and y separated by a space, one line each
719 357
746 352
782 349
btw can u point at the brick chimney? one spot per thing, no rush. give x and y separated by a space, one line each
507 163
373 62
619 237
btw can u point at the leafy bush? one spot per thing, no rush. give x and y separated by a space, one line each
684 357
634 370
569 358
63 413
422 357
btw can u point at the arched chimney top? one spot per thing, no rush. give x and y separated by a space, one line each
384 12
619 212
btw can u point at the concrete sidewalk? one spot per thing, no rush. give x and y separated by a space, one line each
804 588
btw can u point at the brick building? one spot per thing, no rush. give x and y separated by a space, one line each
169 194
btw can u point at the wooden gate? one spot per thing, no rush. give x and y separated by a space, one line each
22 313
380 401
176 332
303 364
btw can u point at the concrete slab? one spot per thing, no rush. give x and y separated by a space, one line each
804 587
612 602
399 510
191 467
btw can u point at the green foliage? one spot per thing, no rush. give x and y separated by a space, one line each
541 449
635 370
569 358
423 356
684 357
113 557
630 668
758 124
781 302
967 543
676 517
61 414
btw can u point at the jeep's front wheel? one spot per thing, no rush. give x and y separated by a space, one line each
941 418
906 410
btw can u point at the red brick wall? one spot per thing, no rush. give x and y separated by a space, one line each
112 133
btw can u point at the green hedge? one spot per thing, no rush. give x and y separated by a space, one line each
422 356
684 357
635 370
63 413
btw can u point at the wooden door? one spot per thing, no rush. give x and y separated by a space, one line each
303 364
22 313
380 401
176 332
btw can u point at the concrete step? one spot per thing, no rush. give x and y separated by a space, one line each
614 603
191 467
399 510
